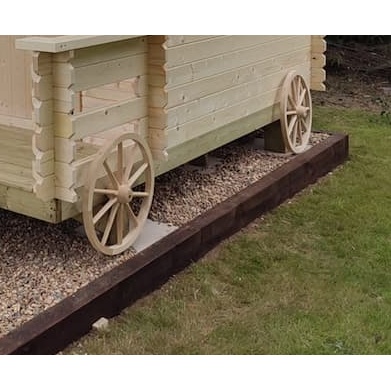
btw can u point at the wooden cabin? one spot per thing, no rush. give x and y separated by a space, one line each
77 113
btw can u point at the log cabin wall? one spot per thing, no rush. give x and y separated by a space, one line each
198 84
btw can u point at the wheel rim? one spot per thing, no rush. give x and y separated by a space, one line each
296 112
122 208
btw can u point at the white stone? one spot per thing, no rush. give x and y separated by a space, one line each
101 324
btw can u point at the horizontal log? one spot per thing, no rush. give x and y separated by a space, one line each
102 53
109 117
177 40
216 64
66 42
97 120
261 72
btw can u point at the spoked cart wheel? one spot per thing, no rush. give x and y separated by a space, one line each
111 202
296 112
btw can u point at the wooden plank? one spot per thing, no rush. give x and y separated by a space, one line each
253 72
42 86
103 53
63 75
65 175
318 76
183 54
42 63
44 187
65 100
16 176
42 112
16 181
217 137
63 43
42 138
110 93
62 125
318 44
43 164
70 209
318 60
70 196
65 149
158 118
156 50
86 124
176 40
157 97
91 103
157 75
108 72
9 166
141 127
26 203
20 157
224 62
16 122
15 132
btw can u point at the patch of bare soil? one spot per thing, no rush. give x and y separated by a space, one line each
357 76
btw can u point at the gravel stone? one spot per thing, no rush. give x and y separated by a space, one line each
41 263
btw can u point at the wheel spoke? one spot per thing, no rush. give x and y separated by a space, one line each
140 194
129 166
120 161
294 135
298 85
131 215
294 97
137 174
106 191
292 124
290 100
302 96
104 209
306 129
109 224
299 133
112 177
120 224
291 112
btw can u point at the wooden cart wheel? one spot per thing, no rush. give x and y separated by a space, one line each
122 209
296 112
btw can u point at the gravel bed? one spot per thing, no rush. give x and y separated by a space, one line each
41 263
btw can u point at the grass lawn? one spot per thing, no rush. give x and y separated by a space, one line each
311 277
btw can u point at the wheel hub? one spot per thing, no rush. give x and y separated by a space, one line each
124 194
302 111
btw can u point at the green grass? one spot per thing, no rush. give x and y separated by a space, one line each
311 277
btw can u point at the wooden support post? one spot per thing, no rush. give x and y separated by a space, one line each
202 161
273 138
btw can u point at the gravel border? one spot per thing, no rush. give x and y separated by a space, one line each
42 263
